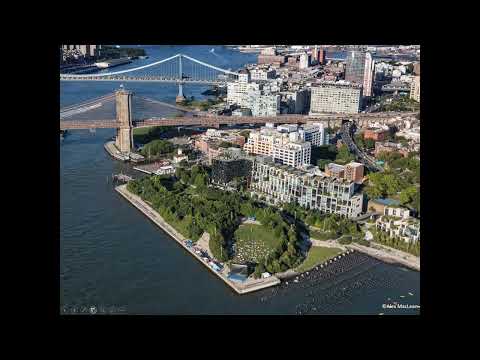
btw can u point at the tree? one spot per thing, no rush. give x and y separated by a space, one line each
216 245
344 155
157 147
225 144
200 181
408 194
369 143
321 163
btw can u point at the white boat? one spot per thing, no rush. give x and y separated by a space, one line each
212 50
410 294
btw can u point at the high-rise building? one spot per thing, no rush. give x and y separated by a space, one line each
321 56
315 53
415 88
84 50
283 184
303 61
335 97
355 66
368 75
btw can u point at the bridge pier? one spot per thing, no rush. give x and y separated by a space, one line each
180 97
124 140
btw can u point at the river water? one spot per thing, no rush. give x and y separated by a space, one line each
112 257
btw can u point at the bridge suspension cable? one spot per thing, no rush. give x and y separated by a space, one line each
127 70
88 102
171 69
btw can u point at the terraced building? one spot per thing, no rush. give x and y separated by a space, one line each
277 184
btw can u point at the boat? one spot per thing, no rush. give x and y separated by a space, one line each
212 50
410 294
112 63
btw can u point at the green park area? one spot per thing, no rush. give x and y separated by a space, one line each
323 235
317 255
254 243
192 207
144 135
400 180
399 103
203 105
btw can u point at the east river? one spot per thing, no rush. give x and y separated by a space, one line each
112 257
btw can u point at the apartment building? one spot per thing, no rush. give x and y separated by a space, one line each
335 97
335 170
304 61
355 66
314 133
262 74
389 147
353 171
263 104
295 102
398 223
295 154
376 134
415 88
237 92
285 148
368 75
230 165
278 184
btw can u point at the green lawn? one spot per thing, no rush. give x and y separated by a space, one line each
141 131
322 235
317 255
254 243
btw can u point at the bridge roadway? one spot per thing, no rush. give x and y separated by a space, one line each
160 79
218 120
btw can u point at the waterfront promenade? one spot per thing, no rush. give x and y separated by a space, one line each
247 286
378 251
388 255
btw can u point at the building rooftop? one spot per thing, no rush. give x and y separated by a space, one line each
335 167
387 201
340 83
300 172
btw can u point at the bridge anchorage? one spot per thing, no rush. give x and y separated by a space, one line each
179 69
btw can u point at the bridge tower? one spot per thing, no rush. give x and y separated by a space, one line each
124 140
180 98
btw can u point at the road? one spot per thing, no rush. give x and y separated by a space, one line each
368 161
